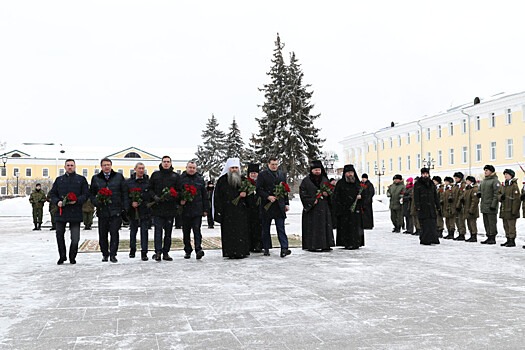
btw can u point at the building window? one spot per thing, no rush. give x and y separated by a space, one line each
96 171
509 116
451 129
451 157
131 172
85 173
464 154
418 136
146 171
418 161
399 140
478 123
375 146
28 172
16 171
3 190
408 162
464 126
367 147
61 172
121 171
3 172
368 167
399 161
408 138
391 164
428 133
45 172
439 131
28 190
132 155
440 158
492 120
510 148
493 151
478 152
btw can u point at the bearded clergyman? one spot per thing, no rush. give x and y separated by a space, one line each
232 217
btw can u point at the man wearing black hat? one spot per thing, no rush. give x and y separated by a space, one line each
395 192
489 190
439 189
37 200
317 232
509 196
426 202
368 196
460 219
471 205
254 216
348 199
447 205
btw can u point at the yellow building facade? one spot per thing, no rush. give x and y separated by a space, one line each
464 138
23 169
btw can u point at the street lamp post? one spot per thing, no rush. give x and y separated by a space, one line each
428 163
17 174
329 164
4 160
379 174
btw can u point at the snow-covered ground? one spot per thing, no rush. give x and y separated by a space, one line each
392 294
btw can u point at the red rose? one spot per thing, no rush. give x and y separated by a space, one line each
173 192
72 197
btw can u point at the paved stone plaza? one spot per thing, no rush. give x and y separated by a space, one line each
392 294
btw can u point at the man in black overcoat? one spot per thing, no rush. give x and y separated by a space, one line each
368 195
426 202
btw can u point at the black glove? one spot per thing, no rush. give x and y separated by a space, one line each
522 197
156 198
478 194
450 200
503 196
493 208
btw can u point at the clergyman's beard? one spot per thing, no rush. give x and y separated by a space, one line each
234 179
350 178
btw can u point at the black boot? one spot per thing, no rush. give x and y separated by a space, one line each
450 235
144 256
53 227
473 238
489 240
132 253
36 227
440 233
510 243
285 252
39 227
460 237
167 257
267 252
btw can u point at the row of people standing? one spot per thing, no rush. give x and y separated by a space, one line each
459 203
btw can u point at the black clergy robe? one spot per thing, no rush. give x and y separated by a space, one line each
350 233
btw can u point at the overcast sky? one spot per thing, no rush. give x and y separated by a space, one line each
150 73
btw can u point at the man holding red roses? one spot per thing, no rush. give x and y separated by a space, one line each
138 212
164 185
72 189
109 193
195 205
278 206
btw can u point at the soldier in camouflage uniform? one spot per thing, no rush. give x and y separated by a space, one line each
457 190
471 207
52 211
88 210
37 200
449 212
509 196
488 192
439 217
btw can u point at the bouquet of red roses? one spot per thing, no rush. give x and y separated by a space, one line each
325 187
135 195
104 196
68 198
167 192
362 187
247 186
280 191
188 193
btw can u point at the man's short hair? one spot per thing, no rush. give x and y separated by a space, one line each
138 163
69 160
191 162
271 159
164 157
106 159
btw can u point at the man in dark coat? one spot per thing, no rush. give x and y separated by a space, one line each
266 183
233 218
368 197
109 213
138 212
488 192
193 211
163 209
426 202
209 188
254 214
317 232
71 211
350 233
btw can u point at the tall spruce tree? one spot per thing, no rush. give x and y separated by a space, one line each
210 156
234 143
286 129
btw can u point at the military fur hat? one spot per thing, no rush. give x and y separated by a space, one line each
365 175
397 177
459 174
253 168
425 171
437 179
471 179
489 168
448 179
510 172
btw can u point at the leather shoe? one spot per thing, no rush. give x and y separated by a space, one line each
104 259
156 257
285 252
200 254
61 261
113 259
167 257
267 252
72 261
132 254
187 255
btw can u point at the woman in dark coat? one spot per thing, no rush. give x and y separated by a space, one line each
350 233
317 219
426 202
368 195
